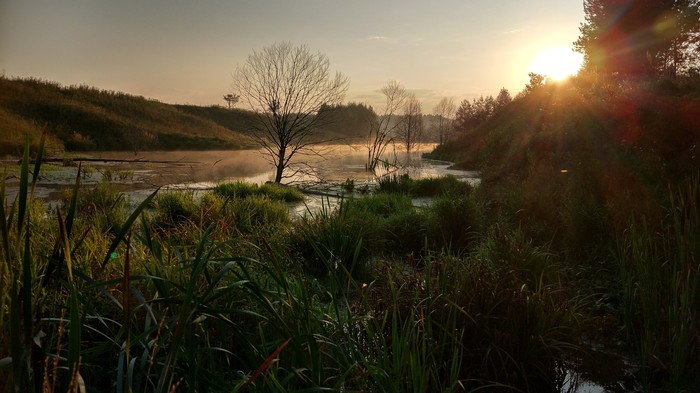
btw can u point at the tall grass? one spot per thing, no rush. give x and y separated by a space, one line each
227 293
661 291
430 187
273 191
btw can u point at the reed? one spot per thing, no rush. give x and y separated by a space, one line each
660 291
224 293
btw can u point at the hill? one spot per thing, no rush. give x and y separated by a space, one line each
578 162
81 118
653 126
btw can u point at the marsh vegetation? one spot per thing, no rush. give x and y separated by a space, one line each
226 291
573 263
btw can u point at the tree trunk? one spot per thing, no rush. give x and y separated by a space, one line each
280 164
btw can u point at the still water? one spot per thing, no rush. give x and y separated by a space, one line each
142 173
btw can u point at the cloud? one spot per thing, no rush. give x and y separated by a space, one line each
379 38
513 31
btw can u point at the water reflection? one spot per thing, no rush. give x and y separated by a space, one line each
139 175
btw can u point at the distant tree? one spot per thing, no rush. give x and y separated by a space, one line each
231 99
471 114
287 86
640 37
465 116
411 128
384 125
536 81
503 98
348 121
444 110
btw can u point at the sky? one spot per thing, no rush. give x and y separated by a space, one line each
185 52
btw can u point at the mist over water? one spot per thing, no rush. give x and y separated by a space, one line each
147 171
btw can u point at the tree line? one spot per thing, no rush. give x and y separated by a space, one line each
641 38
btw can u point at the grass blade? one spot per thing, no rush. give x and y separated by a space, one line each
23 186
127 226
39 157
264 366
4 228
75 332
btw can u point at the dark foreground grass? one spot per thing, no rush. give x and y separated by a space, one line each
228 293
660 279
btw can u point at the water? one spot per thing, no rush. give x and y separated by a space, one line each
199 170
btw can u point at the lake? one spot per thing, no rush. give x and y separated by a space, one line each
198 170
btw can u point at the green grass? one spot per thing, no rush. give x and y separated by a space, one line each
431 187
272 191
224 291
660 290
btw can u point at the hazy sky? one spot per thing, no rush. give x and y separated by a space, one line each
185 51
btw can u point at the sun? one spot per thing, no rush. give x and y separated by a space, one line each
557 63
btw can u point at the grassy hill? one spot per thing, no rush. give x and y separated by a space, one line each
85 118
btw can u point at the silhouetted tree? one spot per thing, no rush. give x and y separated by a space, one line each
444 110
503 98
470 114
231 99
287 87
639 37
536 81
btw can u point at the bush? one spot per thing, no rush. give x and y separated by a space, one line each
381 205
264 218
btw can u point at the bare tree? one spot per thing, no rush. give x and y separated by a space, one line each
444 110
411 129
383 126
286 87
